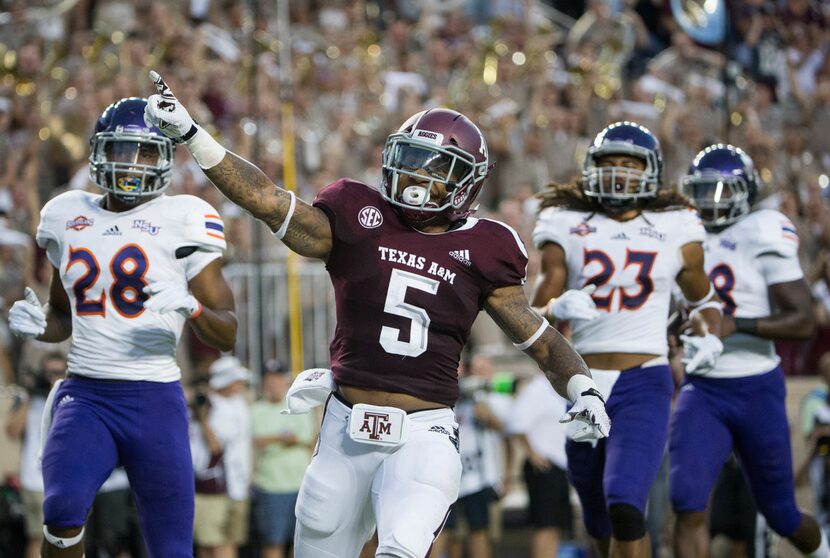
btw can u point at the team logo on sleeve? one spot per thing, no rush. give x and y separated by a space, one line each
79 223
370 217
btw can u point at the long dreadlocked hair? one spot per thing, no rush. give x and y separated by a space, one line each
572 196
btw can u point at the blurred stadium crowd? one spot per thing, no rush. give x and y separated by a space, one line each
540 78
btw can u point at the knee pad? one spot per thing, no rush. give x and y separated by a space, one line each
627 522
62 542
322 505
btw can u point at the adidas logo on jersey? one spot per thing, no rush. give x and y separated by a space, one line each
462 256
620 236
113 231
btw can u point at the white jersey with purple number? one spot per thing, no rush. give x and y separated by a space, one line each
742 262
633 264
105 259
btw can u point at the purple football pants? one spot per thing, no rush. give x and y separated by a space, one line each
714 416
143 426
622 467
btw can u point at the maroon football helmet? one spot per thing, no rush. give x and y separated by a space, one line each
434 165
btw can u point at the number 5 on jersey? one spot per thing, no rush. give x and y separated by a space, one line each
419 329
128 267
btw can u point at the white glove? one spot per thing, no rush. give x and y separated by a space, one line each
588 408
26 317
310 389
166 113
171 296
574 305
701 353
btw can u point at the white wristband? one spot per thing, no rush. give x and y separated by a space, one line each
206 151
714 304
284 227
579 384
709 296
532 339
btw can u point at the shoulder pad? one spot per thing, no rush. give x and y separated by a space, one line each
201 225
68 210
773 233
557 225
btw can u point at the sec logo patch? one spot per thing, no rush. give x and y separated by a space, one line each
370 217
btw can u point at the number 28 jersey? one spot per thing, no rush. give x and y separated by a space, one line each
406 300
105 259
634 265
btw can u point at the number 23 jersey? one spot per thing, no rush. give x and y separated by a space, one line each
105 259
634 265
406 300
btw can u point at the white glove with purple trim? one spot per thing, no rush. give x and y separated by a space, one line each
26 317
171 296
701 353
574 304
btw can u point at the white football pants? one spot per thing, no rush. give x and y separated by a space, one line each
349 486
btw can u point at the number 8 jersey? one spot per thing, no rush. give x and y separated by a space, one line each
742 262
633 264
105 259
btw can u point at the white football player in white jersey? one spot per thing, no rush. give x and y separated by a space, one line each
739 404
130 268
613 246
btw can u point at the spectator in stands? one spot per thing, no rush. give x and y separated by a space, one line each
534 424
282 452
23 423
481 411
221 448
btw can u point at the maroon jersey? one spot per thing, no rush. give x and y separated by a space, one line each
406 300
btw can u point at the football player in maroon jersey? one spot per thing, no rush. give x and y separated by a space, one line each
411 269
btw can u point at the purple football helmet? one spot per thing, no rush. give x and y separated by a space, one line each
722 183
622 186
434 165
127 158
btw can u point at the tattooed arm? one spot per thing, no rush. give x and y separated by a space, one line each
308 233
509 308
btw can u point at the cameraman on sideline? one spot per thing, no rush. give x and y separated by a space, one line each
481 410
23 423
